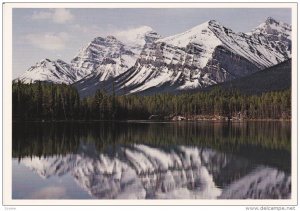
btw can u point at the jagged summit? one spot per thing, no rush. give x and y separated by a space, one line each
106 58
271 20
273 26
101 51
206 54
211 34
109 38
213 22
277 33
48 70
198 34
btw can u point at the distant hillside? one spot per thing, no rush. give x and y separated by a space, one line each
274 78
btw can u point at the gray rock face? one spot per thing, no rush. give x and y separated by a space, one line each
225 66
278 35
104 58
202 56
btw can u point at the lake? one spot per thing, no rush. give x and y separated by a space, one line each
151 160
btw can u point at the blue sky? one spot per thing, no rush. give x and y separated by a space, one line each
60 33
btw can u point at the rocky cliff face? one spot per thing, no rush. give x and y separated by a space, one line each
112 59
277 34
104 58
204 55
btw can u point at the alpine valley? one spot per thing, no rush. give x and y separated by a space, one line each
141 61
203 114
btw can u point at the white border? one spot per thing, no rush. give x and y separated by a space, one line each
7 104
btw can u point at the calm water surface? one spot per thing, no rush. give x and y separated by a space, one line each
152 160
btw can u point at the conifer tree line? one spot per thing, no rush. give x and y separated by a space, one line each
47 101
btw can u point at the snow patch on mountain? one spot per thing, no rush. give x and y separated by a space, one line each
106 58
56 71
102 58
140 61
272 26
200 35
204 55
277 33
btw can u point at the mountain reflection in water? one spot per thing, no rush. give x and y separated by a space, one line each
155 160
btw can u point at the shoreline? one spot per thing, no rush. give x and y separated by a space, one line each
158 121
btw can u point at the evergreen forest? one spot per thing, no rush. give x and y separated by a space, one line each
52 102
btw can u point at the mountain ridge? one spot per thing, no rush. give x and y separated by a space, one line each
48 70
140 60
202 56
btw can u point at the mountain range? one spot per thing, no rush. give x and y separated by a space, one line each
141 61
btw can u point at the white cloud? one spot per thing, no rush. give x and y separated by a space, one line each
48 41
55 15
133 36
62 16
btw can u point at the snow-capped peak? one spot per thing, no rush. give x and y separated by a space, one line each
203 55
101 41
271 20
206 54
112 38
271 26
44 62
199 34
105 58
56 71
277 34
100 51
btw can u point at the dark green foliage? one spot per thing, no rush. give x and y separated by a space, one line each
43 101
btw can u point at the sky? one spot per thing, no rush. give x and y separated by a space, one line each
61 33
